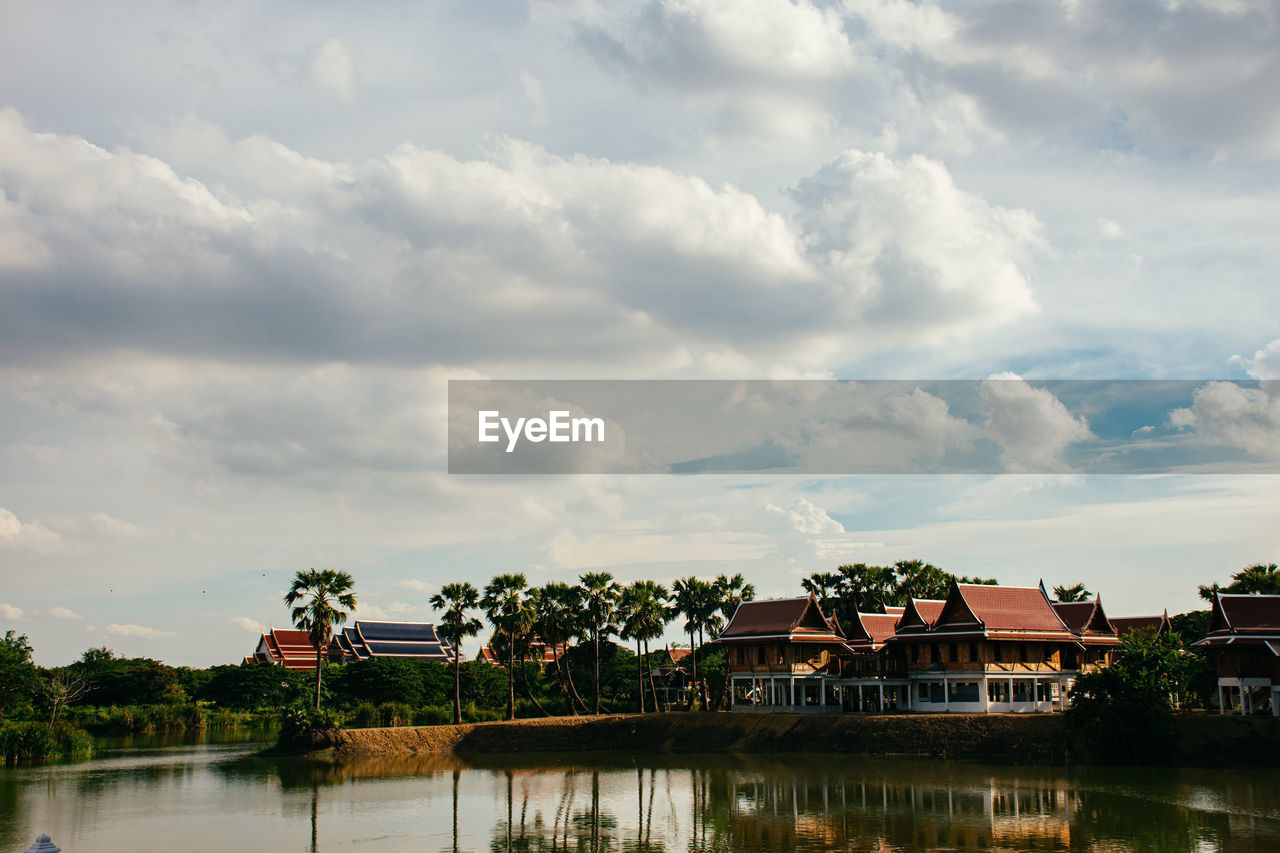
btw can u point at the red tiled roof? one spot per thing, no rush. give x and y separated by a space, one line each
1125 624
290 648
793 617
880 626
1009 608
919 615
1254 614
1076 614
895 611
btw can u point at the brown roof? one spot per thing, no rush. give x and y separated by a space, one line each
1002 608
799 619
895 611
1252 614
919 615
1125 624
879 625
290 648
1075 614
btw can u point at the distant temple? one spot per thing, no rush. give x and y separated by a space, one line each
417 640
1244 635
365 639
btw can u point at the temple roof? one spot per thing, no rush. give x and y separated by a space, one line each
1244 620
870 631
799 620
919 615
986 611
1125 624
1087 620
287 647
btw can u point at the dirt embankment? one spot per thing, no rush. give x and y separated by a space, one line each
1203 740
1022 739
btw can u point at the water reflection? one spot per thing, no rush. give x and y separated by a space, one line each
218 797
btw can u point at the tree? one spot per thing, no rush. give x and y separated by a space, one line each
507 609
1075 592
731 592
557 616
326 598
699 603
599 597
18 675
1258 579
864 588
1125 711
61 688
641 607
456 600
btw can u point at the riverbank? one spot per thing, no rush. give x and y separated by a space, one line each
1203 740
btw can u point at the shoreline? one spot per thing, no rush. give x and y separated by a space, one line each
1203 740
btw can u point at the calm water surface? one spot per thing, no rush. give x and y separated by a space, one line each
176 795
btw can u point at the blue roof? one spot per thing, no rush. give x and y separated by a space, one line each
370 639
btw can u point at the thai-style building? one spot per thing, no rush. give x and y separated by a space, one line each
1244 635
410 640
286 647
537 651
1096 634
874 677
1157 625
784 655
991 649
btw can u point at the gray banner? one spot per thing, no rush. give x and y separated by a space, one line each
999 425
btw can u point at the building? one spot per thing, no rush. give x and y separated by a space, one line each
784 655
536 651
1156 624
286 647
1096 634
874 677
1244 635
407 640
991 649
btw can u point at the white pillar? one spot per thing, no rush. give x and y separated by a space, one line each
880 709
1222 700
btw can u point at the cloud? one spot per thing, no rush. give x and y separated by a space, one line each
416 585
330 67
253 626
1265 363
1030 425
141 631
64 614
371 611
8 611
804 517
375 263
1225 413
31 536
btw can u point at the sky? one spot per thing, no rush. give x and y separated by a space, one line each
244 246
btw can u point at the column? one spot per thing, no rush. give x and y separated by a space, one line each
880 709
1222 700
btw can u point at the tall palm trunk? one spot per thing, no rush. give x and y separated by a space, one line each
317 678
457 683
511 679
573 687
702 685
640 675
653 691
528 690
564 687
597 673
693 656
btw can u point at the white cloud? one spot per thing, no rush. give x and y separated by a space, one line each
253 626
1229 414
330 67
8 611
29 535
807 518
64 614
367 610
415 585
1265 363
128 630
1031 426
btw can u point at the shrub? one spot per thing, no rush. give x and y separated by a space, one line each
36 741
394 714
366 716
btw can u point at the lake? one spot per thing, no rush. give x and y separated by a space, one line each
213 794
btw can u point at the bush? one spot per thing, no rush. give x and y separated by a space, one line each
137 719
366 716
394 714
306 729
36 741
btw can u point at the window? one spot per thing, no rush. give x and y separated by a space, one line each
741 655
760 655
954 652
1022 651
935 653
964 691
782 655
997 691
973 652
1022 691
997 654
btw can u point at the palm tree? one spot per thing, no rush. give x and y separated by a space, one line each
698 602
643 615
1075 592
455 600
557 614
599 597
1259 578
326 598
730 592
506 607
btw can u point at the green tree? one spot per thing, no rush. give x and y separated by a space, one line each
456 601
557 616
19 678
699 603
1258 579
1075 592
1125 711
864 588
642 609
320 600
599 598
253 686
507 609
